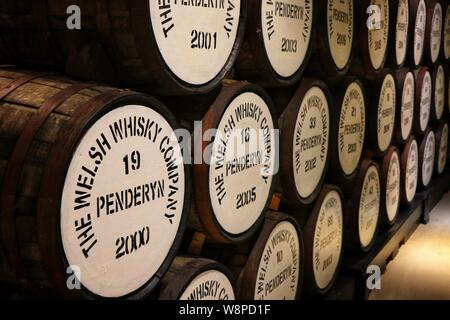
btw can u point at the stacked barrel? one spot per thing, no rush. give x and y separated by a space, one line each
272 139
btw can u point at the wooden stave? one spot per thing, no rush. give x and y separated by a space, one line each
49 265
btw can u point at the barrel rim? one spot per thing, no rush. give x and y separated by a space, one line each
256 41
439 136
363 39
324 43
430 9
403 166
422 149
373 86
49 233
249 274
434 73
392 58
150 51
400 78
353 203
337 172
310 283
287 126
420 75
201 171
384 173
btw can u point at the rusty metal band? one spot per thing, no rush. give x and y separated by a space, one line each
52 183
12 176
16 83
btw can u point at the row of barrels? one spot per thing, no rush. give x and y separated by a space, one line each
97 182
157 47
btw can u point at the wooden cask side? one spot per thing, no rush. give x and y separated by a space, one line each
236 177
65 145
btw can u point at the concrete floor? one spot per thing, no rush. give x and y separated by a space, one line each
421 270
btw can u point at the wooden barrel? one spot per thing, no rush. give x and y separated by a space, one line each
278 41
197 279
382 97
404 118
304 145
427 154
82 166
348 132
433 31
422 101
448 89
390 176
373 41
438 96
446 33
401 27
334 40
274 269
234 174
417 38
323 237
363 209
442 149
135 43
409 171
